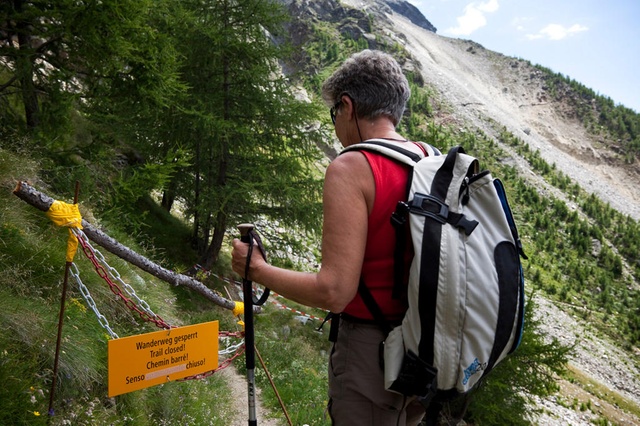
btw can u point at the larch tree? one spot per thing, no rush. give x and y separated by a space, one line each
252 143
66 56
194 87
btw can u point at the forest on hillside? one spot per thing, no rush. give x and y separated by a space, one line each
135 96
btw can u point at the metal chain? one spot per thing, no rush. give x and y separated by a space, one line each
142 308
221 366
92 304
107 272
113 272
223 335
231 348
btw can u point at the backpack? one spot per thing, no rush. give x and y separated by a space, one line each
466 286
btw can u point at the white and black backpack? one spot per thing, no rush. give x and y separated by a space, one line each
466 287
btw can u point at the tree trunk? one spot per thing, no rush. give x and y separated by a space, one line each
211 256
203 241
196 197
42 202
24 65
213 251
169 195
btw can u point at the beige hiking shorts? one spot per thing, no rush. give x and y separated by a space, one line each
356 383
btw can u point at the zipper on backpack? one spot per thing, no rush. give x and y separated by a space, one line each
464 190
466 185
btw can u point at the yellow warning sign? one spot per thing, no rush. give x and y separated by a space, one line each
138 362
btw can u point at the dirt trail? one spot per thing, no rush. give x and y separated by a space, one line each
240 408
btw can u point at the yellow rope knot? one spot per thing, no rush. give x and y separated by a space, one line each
238 310
67 215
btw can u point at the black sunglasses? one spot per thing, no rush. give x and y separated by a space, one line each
333 110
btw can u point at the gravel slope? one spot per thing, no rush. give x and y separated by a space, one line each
598 359
485 87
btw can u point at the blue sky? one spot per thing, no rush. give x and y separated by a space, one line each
595 42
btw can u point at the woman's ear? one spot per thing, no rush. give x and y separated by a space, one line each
348 106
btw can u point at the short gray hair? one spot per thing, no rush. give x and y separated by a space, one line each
375 83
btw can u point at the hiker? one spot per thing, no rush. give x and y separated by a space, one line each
367 96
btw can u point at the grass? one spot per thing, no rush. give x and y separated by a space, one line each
296 356
165 239
21 350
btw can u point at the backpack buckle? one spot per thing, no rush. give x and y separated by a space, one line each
430 206
399 216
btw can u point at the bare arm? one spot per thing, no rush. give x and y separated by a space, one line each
348 195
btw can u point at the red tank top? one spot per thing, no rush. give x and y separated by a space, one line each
377 269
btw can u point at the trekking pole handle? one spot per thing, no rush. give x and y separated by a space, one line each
244 229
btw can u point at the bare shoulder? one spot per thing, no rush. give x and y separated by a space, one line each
349 162
349 178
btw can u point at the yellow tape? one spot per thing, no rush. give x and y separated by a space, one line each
238 309
63 214
68 215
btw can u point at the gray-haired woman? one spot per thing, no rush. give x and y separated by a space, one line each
367 96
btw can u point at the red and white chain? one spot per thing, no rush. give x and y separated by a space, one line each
107 273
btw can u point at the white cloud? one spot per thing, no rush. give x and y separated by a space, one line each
490 6
474 17
519 23
557 32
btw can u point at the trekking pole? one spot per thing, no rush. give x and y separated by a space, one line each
249 338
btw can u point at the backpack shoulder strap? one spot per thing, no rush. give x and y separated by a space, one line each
373 307
430 150
391 151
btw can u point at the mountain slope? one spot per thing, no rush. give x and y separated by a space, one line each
486 90
484 87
